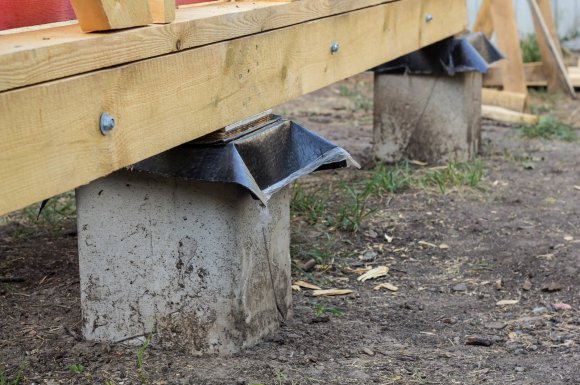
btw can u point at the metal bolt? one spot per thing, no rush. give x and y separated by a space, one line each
106 123
334 47
428 18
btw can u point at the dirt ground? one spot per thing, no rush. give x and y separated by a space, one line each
452 255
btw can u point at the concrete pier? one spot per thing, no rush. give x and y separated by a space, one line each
202 265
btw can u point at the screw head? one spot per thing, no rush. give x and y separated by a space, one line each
428 18
334 47
106 123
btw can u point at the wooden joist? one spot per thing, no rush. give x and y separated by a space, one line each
510 100
39 56
102 15
507 116
51 141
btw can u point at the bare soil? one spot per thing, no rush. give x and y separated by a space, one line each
515 237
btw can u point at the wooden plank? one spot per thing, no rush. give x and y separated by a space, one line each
24 13
483 22
162 11
103 15
38 56
507 116
50 137
504 22
551 57
534 74
546 11
510 100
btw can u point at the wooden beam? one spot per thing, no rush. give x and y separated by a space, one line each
508 42
483 22
163 11
507 116
25 13
546 11
50 135
554 66
510 100
534 74
103 15
39 56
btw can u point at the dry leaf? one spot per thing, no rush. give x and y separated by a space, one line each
505 302
387 286
377 272
296 288
359 270
307 285
577 188
443 246
568 238
388 238
418 163
498 284
423 243
331 292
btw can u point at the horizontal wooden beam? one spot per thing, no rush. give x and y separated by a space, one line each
38 56
51 141
24 13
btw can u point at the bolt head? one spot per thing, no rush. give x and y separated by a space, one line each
106 123
428 18
334 47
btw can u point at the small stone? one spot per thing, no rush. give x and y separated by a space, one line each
309 265
460 287
495 325
369 256
372 234
478 341
552 287
527 286
539 310
368 351
519 369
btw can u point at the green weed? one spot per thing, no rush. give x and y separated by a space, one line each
455 174
76 368
58 212
391 180
353 211
530 49
6 380
549 128
358 100
139 355
308 205
320 309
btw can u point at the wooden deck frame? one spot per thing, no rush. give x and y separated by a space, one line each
163 95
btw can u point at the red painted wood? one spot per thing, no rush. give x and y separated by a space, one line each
24 13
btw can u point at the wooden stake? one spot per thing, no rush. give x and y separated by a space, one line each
551 56
508 42
483 22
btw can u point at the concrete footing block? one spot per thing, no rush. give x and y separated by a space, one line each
202 265
428 118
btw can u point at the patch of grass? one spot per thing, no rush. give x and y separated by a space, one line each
352 212
306 204
530 49
320 309
390 180
455 174
358 100
550 128
5 379
139 356
76 368
58 212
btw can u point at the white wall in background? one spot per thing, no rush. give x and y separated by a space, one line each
566 13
